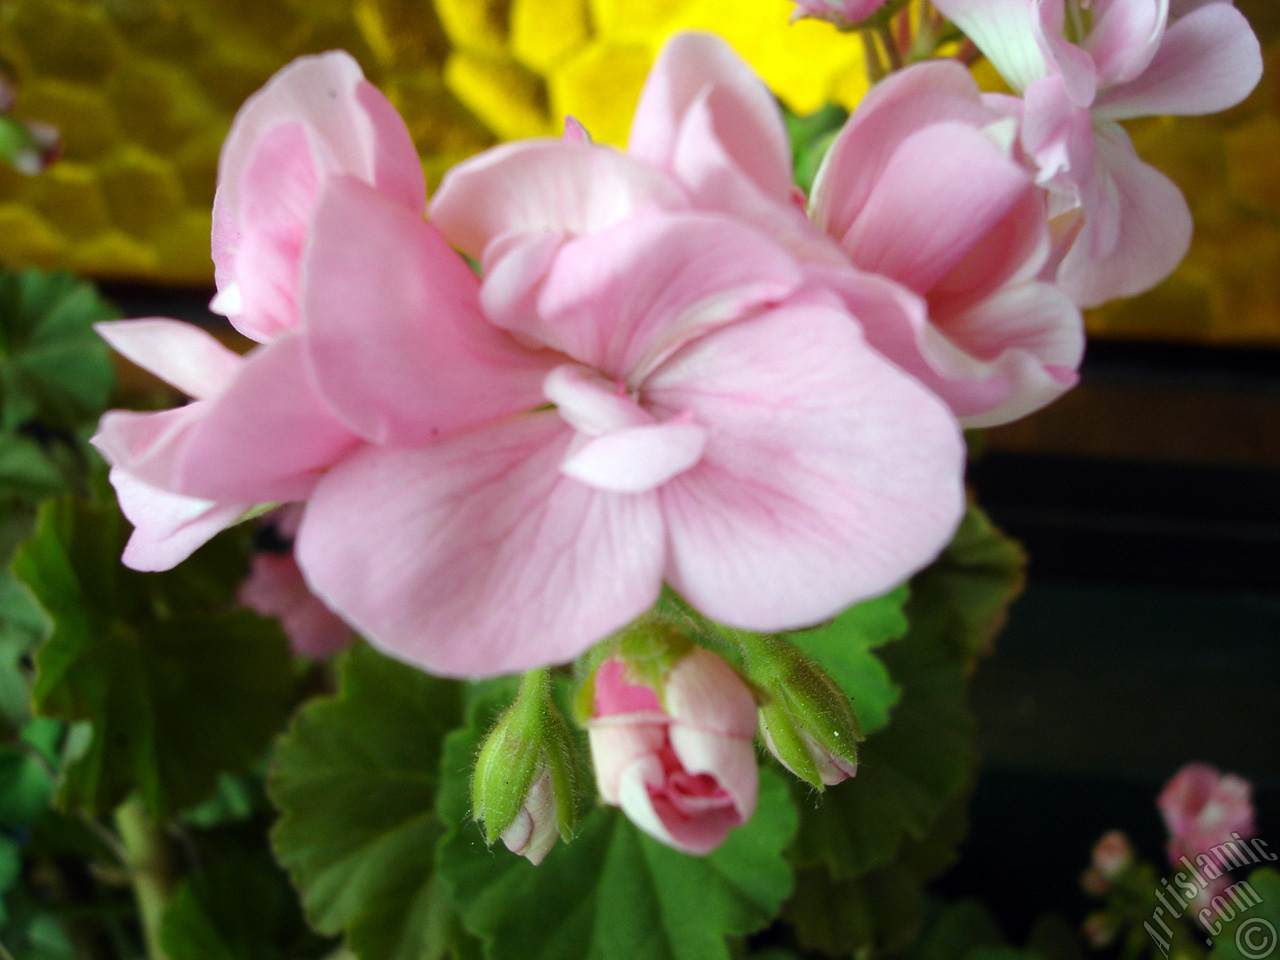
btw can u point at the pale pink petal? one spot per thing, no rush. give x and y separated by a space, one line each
514 268
945 189
393 327
148 445
731 760
613 694
617 746
353 129
637 459
316 118
701 70
704 692
591 404
706 161
900 105
642 797
1005 31
278 191
828 475
624 298
1208 61
180 354
168 527
267 437
1154 232
1020 351
1125 37
540 186
275 588
475 556
1071 64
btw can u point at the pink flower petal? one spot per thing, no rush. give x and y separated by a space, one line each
267 437
435 364
616 747
900 105
1208 61
180 354
540 186
743 113
316 118
624 298
1005 31
945 188
475 556
275 588
1154 228
168 527
731 760
828 475
1125 37
636 459
704 692
1071 64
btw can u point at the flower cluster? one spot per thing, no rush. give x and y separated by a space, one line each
669 368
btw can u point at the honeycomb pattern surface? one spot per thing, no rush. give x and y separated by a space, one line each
144 91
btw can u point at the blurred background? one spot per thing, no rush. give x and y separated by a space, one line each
1149 634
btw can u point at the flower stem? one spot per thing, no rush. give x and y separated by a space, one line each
151 870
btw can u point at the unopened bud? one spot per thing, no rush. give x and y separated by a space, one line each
1100 929
807 722
1112 854
523 785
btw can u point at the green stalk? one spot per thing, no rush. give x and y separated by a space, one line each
152 872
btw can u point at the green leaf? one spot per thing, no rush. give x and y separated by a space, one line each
844 648
26 470
611 892
355 781
1246 924
877 913
918 766
974 582
238 904
953 931
177 687
53 367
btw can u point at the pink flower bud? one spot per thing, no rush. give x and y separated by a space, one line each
275 588
1203 809
843 13
1112 854
682 767
536 827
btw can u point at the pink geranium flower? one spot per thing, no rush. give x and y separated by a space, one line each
259 431
681 407
921 220
843 13
1084 66
681 766
1202 809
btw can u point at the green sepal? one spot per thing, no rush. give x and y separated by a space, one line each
529 736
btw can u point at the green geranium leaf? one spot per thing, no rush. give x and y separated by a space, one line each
875 914
53 367
974 581
918 765
26 471
237 904
1245 925
611 892
953 931
355 781
844 648
175 684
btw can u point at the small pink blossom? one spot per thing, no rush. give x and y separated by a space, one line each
1083 65
275 588
681 766
1204 809
842 13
